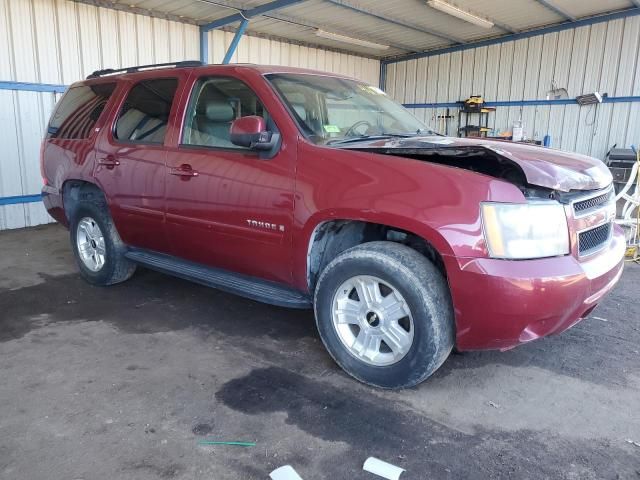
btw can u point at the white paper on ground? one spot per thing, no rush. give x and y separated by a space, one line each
382 469
285 473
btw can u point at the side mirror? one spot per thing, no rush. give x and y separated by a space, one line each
251 132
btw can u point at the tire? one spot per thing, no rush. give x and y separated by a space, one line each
408 284
92 214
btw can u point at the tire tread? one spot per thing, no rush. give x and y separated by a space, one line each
121 269
434 293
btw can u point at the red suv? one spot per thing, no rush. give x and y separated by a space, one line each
307 189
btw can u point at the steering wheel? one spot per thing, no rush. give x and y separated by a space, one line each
352 129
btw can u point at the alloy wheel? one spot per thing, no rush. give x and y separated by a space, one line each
90 244
373 320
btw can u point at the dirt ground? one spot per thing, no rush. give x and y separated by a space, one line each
122 382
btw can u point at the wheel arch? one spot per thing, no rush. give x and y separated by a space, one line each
75 190
327 237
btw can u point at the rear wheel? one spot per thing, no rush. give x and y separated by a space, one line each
90 244
384 313
98 249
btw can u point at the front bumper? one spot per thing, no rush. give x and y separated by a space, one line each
500 304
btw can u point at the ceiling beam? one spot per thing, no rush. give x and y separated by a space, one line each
136 10
559 27
311 25
554 8
396 21
502 26
250 13
315 26
235 41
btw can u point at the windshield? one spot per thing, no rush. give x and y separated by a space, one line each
334 110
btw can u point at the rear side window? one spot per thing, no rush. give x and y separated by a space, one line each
79 110
145 113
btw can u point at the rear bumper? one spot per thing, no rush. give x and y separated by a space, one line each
500 304
52 199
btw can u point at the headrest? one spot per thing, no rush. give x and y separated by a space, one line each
219 111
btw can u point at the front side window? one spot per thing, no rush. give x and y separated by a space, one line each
215 103
330 109
79 110
145 114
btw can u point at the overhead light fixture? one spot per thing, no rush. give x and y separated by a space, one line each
459 13
353 41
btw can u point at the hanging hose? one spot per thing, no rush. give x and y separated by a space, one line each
627 219
634 202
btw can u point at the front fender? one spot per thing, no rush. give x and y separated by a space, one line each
438 203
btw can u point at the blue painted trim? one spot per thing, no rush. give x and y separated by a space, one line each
556 9
252 12
237 17
393 21
522 103
630 12
235 41
20 199
33 87
531 103
432 105
204 46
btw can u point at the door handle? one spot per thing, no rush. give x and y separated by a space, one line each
109 161
184 170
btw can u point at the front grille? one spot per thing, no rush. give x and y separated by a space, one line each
592 203
591 240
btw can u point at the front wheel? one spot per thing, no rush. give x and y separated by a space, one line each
384 313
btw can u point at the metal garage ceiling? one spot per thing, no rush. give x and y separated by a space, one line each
402 26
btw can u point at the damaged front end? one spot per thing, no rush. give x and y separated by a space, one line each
563 190
540 173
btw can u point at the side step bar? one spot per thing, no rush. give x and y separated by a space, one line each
243 285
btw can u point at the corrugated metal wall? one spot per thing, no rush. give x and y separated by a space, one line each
59 42
270 52
600 57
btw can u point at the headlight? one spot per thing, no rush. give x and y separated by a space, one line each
528 230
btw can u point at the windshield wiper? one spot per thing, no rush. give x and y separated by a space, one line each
361 138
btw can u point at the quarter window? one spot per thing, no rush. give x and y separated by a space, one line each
79 110
215 103
145 113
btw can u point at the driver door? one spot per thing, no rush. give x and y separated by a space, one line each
226 206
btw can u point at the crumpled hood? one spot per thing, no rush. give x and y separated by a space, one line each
544 167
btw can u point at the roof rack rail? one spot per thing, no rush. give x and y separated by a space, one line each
111 71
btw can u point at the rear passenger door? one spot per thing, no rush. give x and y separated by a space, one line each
226 206
130 160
